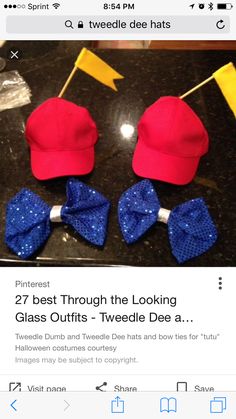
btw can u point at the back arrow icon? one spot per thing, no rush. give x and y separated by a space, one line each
67 405
12 405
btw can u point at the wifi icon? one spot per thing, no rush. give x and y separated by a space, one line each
56 5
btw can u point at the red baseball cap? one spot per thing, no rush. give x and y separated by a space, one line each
171 140
61 136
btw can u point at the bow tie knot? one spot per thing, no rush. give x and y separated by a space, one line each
29 218
190 227
163 215
55 214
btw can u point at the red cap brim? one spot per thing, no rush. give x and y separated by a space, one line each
152 164
52 164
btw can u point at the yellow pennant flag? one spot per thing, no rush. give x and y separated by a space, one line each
225 77
93 65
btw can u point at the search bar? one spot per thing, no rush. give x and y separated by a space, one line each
117 24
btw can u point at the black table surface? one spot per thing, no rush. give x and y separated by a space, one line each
149 74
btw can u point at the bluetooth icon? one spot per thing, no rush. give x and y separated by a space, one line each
210 6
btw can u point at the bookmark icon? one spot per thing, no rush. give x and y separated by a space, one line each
168 405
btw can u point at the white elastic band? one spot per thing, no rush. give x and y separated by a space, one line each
55 214
163 215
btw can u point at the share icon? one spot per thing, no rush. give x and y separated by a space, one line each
100 388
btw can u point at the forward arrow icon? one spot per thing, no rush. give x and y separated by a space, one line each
67 405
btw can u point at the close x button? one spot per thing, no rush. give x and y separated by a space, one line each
14 54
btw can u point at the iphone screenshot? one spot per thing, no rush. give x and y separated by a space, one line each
117 209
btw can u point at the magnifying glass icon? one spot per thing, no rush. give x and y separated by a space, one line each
69 24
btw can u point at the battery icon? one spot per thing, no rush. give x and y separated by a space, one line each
224 6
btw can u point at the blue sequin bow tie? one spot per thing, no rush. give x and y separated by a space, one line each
29 219
190 227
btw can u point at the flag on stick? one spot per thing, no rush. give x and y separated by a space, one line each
91 64
225 77
97 68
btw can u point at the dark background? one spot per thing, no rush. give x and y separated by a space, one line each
149 74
